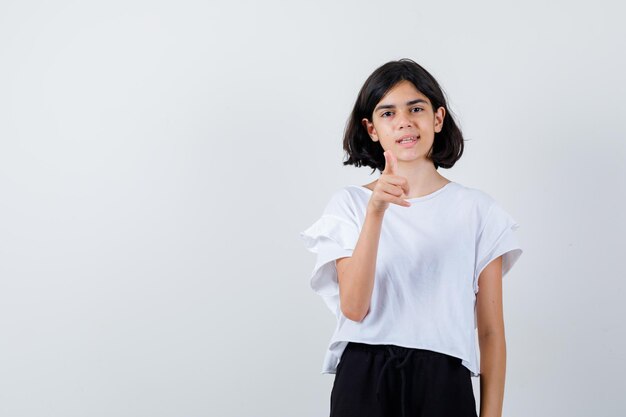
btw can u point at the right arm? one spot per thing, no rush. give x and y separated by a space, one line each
356 273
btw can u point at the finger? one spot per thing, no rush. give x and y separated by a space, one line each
394 195
401 202
390 189
397 180
388 168
394 162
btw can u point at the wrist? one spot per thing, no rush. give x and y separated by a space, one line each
374 213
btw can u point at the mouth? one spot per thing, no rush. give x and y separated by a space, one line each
407 139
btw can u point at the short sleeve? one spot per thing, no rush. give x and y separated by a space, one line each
332 236
497 237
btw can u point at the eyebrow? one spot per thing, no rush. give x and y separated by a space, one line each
408 103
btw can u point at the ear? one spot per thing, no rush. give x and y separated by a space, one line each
439 116
371 130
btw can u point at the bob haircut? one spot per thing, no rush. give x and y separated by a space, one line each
362 150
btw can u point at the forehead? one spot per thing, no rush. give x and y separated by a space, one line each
400 91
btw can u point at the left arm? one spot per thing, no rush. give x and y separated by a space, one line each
490 323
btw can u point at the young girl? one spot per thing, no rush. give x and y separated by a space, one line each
400 260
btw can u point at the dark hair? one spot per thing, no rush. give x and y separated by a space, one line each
448 144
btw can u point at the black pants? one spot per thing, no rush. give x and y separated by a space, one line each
394 381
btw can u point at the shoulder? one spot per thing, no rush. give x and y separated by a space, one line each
340 196
492 217
350 194
344 201
478 198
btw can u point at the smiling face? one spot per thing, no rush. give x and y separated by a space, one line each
402 113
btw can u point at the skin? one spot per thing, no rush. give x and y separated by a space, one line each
389 124
409 173
491 339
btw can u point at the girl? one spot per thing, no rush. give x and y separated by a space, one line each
400 260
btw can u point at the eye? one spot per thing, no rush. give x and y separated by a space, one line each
383 115
416 108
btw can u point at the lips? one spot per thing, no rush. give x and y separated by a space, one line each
412 137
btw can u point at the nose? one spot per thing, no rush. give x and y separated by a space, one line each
403 121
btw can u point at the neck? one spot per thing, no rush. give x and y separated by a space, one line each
422 176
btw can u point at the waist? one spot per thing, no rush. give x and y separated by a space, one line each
398 350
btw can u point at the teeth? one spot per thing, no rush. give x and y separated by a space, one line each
407 140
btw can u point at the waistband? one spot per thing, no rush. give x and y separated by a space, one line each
396 350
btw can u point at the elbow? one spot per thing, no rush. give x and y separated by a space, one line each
491 334
353 314
354 306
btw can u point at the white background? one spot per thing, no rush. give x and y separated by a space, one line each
159 159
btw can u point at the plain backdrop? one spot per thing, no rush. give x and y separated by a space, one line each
159 159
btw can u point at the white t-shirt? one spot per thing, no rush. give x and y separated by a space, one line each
430 256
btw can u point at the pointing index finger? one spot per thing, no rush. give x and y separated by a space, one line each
393 162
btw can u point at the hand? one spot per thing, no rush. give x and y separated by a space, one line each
390 187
